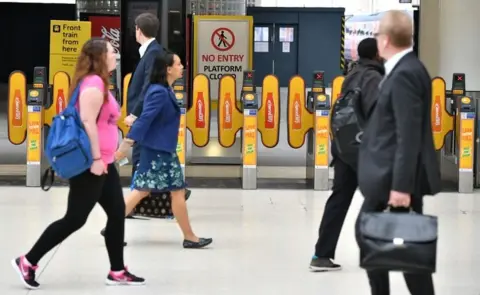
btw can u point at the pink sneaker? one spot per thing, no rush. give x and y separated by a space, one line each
123 278
26 273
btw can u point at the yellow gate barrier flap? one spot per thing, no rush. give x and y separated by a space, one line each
336 88
17 107
60 95
230 119
123 109
198 116
442 121
269 113
299 119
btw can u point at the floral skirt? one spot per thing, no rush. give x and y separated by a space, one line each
158 171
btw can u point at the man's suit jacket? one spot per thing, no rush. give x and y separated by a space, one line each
397 151
141 79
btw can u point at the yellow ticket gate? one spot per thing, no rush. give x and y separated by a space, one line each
180 95
310 118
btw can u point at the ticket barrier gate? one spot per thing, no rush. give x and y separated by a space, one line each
313 125
454 130
36 98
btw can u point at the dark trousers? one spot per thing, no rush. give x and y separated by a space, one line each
336 208
86 190
418 284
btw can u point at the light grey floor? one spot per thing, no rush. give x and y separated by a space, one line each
263 242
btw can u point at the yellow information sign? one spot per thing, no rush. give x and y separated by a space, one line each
66 41
34 135
181 137
467 125
321 141
250 140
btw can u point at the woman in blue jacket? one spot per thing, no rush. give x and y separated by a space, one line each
156 132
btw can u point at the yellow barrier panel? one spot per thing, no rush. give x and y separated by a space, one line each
269 113
466 144
61 86
299 119
442 121
322 125
230 119
198 116
250 148
34 132
17 107
336 88
123 109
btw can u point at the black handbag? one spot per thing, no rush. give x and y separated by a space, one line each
391 241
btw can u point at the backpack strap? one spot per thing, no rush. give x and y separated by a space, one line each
49 174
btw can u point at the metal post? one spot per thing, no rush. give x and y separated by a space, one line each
319 139
249 135
35 99
179 90
466 144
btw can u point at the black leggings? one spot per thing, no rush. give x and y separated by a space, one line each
86 190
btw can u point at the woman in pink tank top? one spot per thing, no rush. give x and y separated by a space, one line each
99 112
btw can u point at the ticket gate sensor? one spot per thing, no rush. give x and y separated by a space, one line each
35 100
180 95
318 141
249 132
467 121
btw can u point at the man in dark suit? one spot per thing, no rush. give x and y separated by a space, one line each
146 29
367 75
397 163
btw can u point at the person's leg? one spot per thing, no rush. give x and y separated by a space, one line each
133 198
179 209
85 190
379 282
114 206
336 208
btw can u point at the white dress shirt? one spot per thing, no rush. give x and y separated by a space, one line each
144 47
392 62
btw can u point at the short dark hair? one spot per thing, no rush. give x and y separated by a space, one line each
160 65
148 23
367 48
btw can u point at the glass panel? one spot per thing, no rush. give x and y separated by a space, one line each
285 34
261 34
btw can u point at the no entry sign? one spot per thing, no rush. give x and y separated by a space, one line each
223 46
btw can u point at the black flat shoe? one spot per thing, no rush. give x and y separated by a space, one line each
187 194
102 232
202 243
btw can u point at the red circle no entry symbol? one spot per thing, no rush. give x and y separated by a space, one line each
223 39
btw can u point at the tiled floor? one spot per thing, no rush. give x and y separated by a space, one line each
263 244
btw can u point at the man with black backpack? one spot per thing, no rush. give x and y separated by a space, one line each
358 98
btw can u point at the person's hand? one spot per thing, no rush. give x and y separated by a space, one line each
98 167
123 148
119 155
129 120
398 199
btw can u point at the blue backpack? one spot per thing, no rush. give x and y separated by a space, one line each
68 146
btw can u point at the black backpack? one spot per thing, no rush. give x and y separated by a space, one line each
347 122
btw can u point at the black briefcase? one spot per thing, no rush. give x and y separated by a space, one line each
391 241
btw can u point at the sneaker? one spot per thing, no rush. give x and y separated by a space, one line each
124 278
26 273
323 264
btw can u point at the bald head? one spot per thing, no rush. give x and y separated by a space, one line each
398 26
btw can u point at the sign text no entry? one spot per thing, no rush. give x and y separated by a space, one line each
223 39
